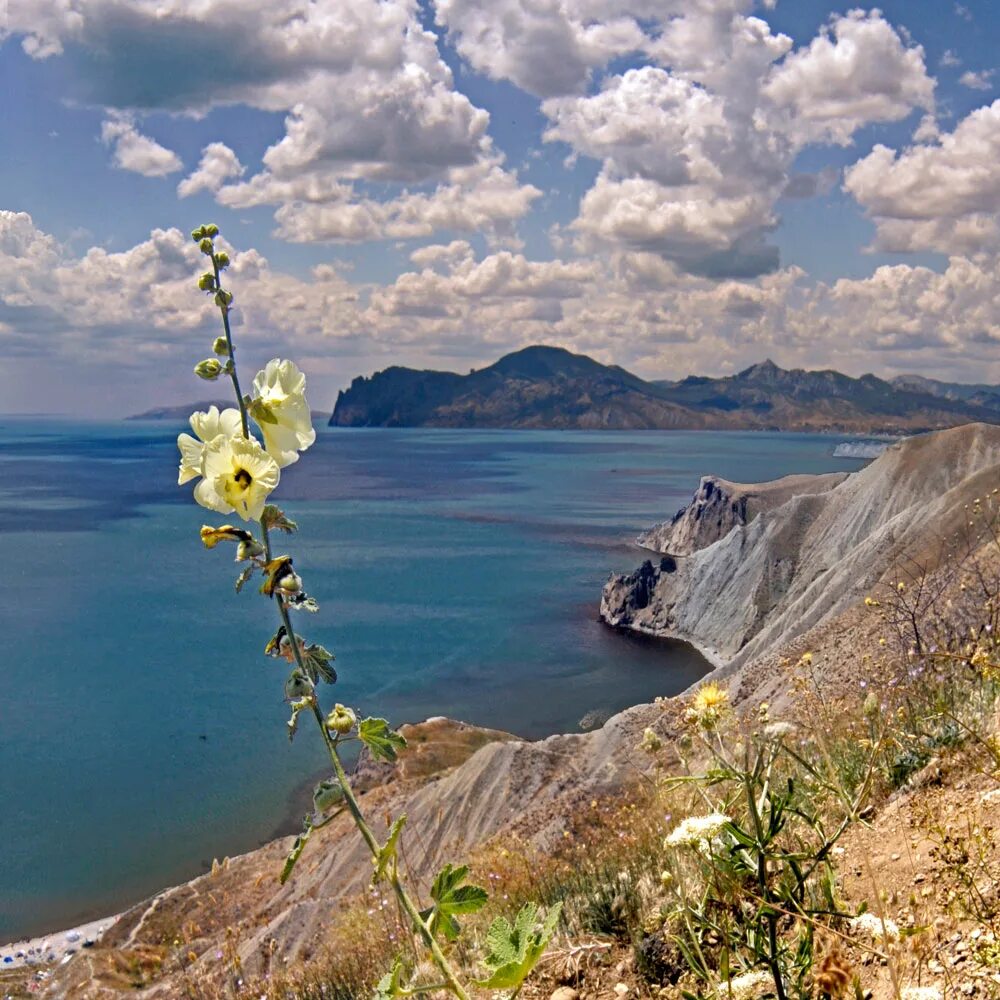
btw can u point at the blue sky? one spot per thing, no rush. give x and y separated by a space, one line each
672 186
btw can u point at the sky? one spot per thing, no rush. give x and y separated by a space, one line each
676 186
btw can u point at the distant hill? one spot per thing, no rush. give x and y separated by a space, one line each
541 387
181 412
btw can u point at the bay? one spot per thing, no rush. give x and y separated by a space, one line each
458 572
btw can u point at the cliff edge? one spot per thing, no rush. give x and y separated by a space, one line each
740 583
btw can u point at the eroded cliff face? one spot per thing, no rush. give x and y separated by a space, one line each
812 549
718 506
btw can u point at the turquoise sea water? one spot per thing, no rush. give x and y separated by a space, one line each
459 572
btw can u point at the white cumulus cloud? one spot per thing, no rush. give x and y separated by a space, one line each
218 164
131 150
943 195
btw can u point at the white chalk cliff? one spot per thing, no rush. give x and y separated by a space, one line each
814 547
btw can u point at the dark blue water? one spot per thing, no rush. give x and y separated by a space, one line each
141 730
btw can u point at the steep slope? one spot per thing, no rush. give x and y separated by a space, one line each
812 556
719 506
550 387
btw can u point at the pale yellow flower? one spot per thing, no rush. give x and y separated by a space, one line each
281 411
238 476
207 425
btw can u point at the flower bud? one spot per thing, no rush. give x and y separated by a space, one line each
211 230
221 347
341 720
290 583
209 369
222 299
222 259
871 706
206 282
205 245
198 234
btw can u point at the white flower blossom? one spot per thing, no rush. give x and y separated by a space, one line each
696 831
871 925
207 425
749 986
281 411
238 476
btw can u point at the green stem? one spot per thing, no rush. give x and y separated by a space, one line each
224 309
451 979
371 840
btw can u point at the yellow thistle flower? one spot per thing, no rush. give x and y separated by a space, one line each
708 705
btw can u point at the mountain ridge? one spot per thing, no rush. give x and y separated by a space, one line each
549 387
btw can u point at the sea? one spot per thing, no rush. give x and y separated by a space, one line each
458 572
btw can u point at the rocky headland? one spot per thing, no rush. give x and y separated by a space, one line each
751 567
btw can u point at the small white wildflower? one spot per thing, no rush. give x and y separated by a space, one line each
696 831
778 729
921 993
749 986
872 926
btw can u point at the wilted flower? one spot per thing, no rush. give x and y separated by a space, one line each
696 831
874 927
238 476
281 411
207 425
226 533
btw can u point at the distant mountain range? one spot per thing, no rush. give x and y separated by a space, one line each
548 387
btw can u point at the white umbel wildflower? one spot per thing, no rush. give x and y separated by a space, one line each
749 986
874 927
696 831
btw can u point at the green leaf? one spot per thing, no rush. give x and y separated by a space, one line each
327 794
387 853
296 852
317 659
391 984
514 951
274 517
383 743
451 897
243 578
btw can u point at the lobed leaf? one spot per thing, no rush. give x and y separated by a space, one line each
514 951
383 743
